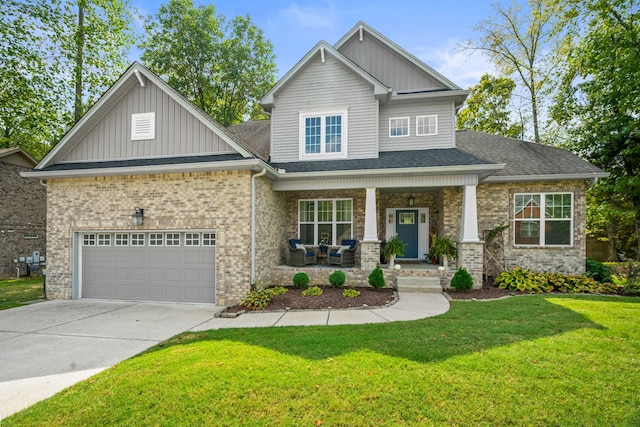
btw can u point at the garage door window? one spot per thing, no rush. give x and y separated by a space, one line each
104 239
122 239
89 239
156 239
172 239
192 239
137 239
208 239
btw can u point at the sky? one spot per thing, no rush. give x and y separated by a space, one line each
429 29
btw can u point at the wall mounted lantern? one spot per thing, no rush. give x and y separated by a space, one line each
411 200
138 217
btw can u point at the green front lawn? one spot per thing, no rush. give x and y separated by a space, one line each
16 292
528 360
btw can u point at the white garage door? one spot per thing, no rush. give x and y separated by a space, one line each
149 266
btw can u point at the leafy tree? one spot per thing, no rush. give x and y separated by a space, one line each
221 67
599 101
519 40
487 108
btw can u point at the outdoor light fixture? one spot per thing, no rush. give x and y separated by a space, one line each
411 201
138 217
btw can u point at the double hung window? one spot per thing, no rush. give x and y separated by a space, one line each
323 135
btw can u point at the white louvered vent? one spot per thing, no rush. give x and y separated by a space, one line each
143 126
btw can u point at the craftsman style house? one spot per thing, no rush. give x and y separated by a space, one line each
151 199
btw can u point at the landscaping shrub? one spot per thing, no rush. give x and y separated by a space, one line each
257 300
599 271
301 280
312 292
350 293
337 278
632 282
523 280
462 280
277 290
376 278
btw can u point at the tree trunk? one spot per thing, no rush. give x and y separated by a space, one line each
611 232
534 112
77 111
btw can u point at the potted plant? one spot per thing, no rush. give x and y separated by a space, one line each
443 248
393 248
323 246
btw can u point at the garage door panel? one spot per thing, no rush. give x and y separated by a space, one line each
162 273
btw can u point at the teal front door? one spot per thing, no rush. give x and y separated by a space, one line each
407 230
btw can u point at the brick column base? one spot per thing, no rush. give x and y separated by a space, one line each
471 257
369 255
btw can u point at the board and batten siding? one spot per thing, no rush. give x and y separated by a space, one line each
325 87
386 65
177 132
446 123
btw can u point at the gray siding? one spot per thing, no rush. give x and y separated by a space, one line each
386 65
446 125
328 86
178 132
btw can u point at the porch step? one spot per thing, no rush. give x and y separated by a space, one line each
427 285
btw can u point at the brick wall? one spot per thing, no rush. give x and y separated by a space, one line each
22 213
210 200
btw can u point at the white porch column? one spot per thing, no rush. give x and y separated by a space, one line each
370 217
469 220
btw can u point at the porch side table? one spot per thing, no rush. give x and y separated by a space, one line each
322 256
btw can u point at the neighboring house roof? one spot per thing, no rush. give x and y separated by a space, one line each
17 156
525 160
134 75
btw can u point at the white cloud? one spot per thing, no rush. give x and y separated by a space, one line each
463 67
312 17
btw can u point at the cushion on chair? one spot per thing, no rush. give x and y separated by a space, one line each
301 246
343 248
349 242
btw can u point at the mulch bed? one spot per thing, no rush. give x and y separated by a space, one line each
330 298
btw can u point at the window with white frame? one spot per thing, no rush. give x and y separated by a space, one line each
121 239
192 239
398 127
137 239
543 219
156 239
331 219
426 125
208 239
89 239
104 239
172 239
323 135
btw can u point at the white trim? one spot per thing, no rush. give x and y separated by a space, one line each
323 155
407 118
334 220
155 233
435 126
423 228
143 126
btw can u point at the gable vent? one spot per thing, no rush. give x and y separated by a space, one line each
143 126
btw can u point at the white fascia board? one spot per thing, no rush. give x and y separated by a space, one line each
557 177
249 164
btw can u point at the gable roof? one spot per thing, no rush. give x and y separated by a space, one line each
134 75
526 161
17 156
363 26
255 135
379 89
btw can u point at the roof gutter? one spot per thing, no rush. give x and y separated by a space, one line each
253 164
555 177
393 171
263 172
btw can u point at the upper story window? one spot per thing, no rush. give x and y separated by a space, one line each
543 219
398 126
143 126
323 135
426 125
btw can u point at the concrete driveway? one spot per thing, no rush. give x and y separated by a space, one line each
56 343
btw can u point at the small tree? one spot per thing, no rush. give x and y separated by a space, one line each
301 280
462 280
376 278
337 278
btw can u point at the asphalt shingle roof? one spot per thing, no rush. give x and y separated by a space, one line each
143 162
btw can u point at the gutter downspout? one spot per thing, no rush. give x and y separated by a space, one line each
253 224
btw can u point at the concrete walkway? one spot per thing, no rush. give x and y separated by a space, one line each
49 346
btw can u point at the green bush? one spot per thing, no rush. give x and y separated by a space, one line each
257 300
277 290
313 291
376 278
301 280
462 280
523 280
600 272
350 293
632 282
337 278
